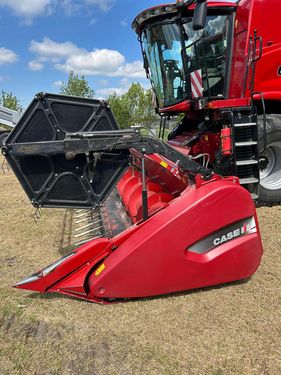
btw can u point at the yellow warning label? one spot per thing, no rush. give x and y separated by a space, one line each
165 165
100 269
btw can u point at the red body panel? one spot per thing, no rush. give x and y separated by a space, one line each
250 15
156 260
242 33
153 257
207 144
263 16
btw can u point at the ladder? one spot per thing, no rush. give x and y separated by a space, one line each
245 147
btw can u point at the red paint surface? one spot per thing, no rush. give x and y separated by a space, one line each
226 141
208 144
250 15
155 260
152 258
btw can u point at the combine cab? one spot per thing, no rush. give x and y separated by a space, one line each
218 62
161 222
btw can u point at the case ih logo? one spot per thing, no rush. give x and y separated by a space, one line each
247 228
241 228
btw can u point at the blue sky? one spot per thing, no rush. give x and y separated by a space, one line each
42 40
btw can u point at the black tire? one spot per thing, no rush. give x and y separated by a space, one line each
270 160
3 136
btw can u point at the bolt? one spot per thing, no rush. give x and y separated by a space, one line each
70 155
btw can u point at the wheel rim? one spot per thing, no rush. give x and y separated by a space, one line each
270 167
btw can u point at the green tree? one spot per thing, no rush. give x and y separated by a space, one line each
77 86
8 100
133 108
120 110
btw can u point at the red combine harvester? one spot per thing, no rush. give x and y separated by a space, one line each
164 216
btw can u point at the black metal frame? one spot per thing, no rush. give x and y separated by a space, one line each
78 169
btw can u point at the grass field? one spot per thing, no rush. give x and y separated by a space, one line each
234 329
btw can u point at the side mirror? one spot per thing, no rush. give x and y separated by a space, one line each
200 14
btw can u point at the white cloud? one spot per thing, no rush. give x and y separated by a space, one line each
28 9
35 65
104 5
121 89
109 91
69 6
68 57
7 56
133 70
58 83
124 86
97 62
105 62
49 49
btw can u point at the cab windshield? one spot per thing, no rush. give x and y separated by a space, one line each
184 63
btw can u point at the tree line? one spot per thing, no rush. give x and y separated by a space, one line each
135 107
8 100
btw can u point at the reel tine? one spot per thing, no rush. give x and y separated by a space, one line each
88 233
92 219
37 215
88 226
97 221
84 227
82 220
5 167
94 230
87 214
